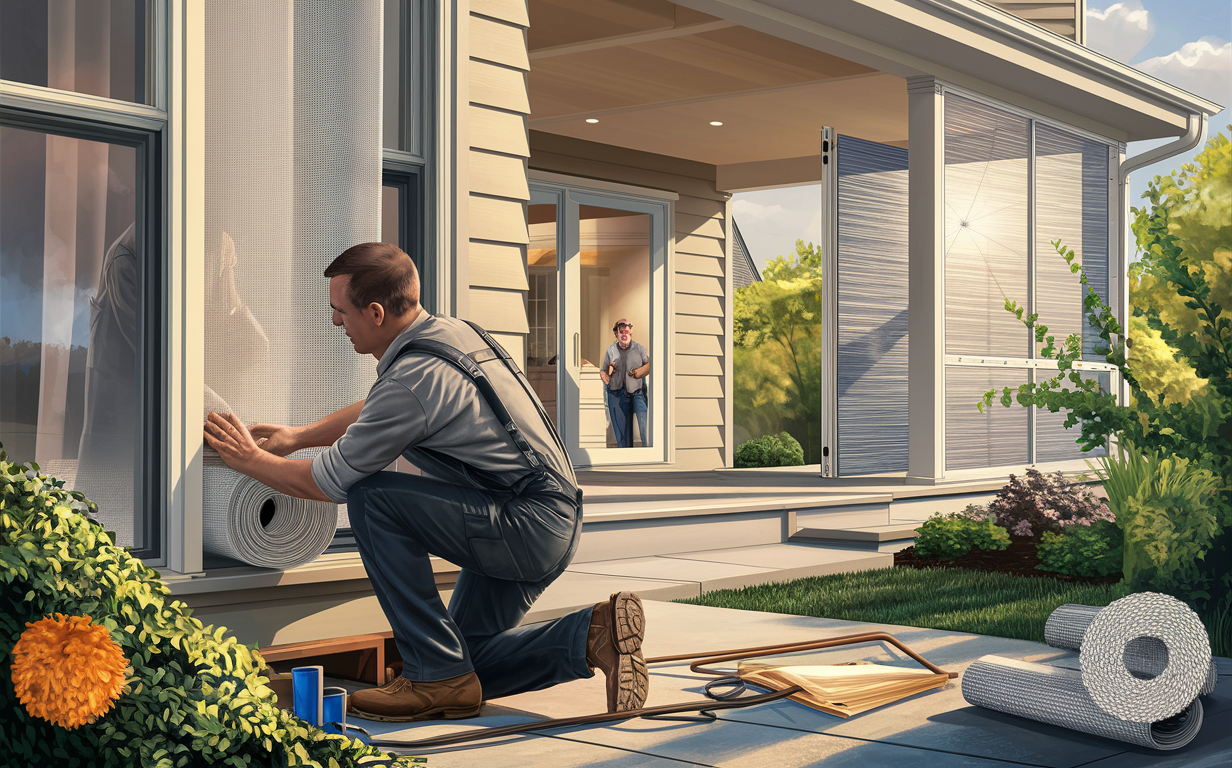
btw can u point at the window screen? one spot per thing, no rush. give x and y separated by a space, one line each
872 307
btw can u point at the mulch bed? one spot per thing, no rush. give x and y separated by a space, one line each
1019 559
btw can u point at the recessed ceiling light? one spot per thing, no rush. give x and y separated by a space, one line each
592 120
715 122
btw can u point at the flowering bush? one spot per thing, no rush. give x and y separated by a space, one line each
1028 506
194 697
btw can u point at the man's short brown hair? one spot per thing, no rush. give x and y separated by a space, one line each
381 273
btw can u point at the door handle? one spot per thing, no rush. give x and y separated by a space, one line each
577 349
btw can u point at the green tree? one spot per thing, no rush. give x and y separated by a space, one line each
1179 345
777 334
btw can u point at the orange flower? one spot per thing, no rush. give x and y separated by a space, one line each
67 670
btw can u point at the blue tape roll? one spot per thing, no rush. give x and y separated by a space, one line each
333 708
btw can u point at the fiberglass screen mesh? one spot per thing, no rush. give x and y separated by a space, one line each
293 178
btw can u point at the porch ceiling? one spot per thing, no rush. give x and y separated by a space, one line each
655 75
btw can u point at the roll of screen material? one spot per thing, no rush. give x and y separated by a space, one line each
1106 698
248 521
1145 657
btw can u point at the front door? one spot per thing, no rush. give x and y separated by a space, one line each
596 270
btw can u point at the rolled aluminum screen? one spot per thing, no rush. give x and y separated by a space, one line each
293 178
872 307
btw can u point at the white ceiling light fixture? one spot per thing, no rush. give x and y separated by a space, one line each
715 122
592 119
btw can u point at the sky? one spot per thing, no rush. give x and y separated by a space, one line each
1183 42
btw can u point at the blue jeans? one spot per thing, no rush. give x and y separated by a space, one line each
509 546
622 407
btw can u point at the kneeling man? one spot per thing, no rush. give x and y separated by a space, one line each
498 497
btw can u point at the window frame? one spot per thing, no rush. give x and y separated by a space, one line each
151 472
1033 364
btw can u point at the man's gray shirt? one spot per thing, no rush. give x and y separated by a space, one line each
423 402
635 356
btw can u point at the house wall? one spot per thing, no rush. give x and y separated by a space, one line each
1064 18
496 118
701 290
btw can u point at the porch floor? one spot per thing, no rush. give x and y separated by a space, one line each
937 728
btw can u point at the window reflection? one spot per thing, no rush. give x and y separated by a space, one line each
71 303
84 46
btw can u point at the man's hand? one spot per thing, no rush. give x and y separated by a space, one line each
603 375
275 438
234 443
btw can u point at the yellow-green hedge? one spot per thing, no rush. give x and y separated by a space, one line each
195 696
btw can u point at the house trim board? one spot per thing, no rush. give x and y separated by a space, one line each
1093 83
582 183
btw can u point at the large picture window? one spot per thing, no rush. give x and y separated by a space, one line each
79 302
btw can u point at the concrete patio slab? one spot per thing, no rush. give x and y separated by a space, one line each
936 728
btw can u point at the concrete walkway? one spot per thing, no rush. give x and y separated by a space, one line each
936 728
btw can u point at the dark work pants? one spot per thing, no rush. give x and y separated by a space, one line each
508 553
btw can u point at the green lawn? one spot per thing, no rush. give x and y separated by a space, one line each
937 598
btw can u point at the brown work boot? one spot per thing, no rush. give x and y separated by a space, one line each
402 700
614 645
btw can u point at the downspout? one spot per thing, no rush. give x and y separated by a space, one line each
1194 136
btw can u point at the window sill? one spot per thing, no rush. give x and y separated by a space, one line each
330 567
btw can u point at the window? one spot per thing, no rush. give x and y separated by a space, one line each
83 46
1012 186
80 298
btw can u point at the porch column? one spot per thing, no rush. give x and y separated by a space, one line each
926 271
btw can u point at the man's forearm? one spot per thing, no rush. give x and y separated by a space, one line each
641 372
329 429
292 477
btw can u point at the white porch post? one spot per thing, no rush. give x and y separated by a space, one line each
926 271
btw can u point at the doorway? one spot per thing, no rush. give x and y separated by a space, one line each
596 312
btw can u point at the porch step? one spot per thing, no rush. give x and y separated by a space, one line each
878 538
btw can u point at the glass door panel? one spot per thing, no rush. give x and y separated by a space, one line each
542 341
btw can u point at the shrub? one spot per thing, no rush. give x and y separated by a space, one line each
1027 507
781 450
193 696
1165 507
1082 550
953 535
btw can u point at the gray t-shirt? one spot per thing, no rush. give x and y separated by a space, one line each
626 360
423 402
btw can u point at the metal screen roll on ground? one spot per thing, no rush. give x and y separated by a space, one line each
1146 657
1106 698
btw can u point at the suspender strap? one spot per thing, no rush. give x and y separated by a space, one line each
494 346
468 366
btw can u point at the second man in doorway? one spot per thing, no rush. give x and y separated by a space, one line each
624 368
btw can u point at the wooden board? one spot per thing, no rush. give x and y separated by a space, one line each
500 220
498 265
512 11
688 304
498 131
698 324
698 365
698 386
498 42
699 437
499 311
700 246
498 87
688 263
688 224
691 412
498 175
699 284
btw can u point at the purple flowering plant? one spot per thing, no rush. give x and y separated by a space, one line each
1028 506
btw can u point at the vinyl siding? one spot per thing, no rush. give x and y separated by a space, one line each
498 190
1057 17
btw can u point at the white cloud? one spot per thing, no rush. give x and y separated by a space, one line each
1203 68
1120 31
